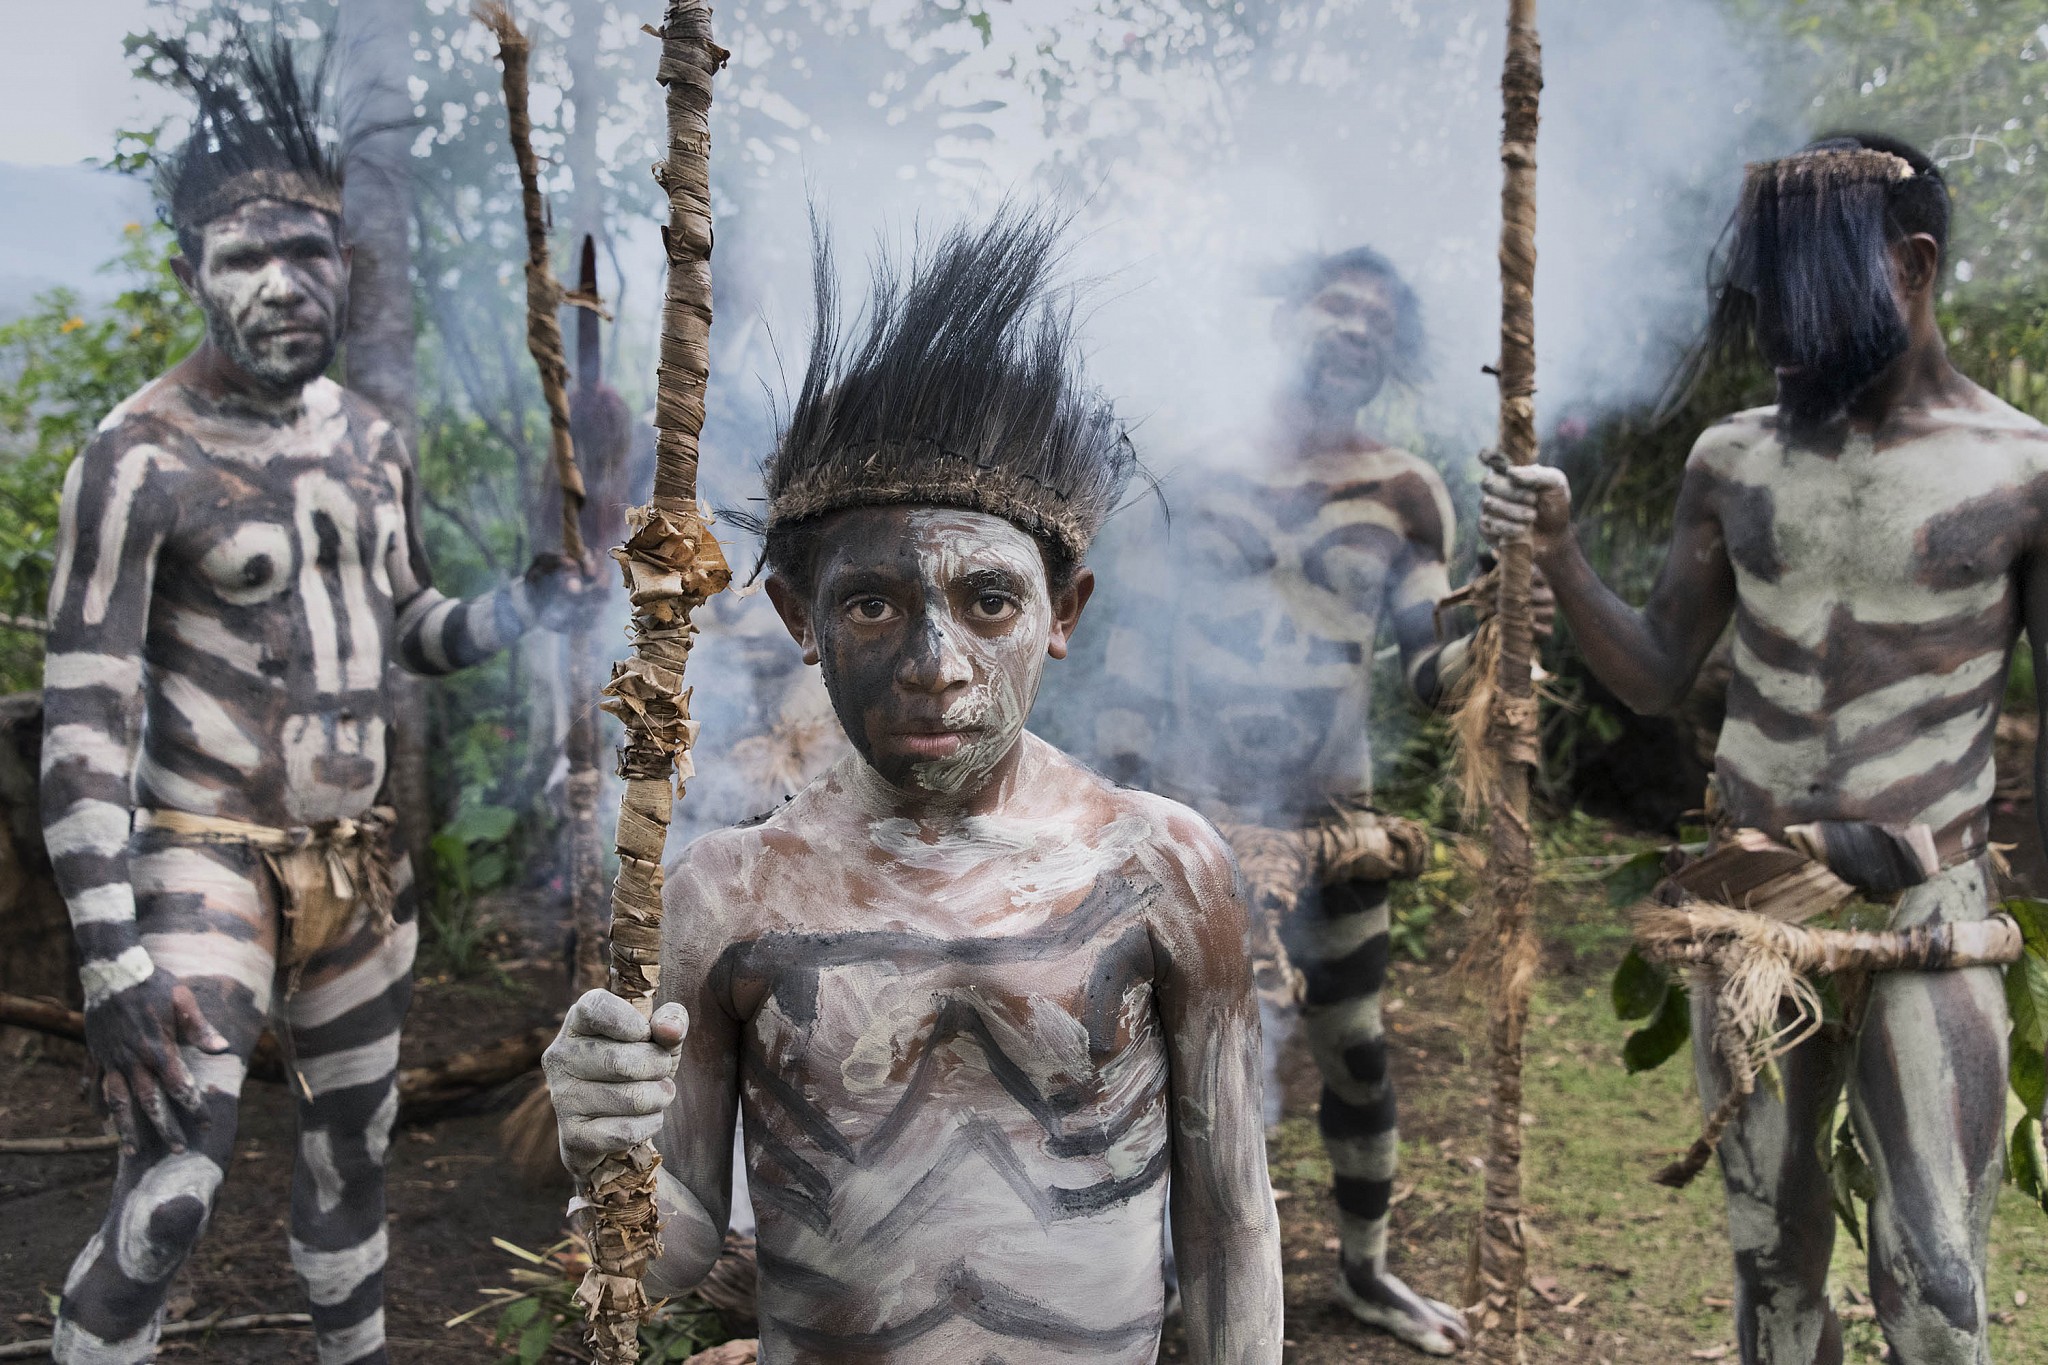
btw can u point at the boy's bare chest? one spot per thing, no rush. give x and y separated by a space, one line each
1040 1023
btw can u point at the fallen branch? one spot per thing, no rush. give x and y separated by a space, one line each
425 1093
59 1146
39 1349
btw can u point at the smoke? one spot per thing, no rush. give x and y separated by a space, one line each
1199 155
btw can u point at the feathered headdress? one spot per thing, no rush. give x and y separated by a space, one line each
256 134
962 389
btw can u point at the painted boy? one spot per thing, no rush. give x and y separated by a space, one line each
983 1011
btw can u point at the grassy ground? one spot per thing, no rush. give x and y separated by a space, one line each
1625 1271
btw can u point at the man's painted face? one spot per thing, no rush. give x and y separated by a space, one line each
931 626
273 282
1344 335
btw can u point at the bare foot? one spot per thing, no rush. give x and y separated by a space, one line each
1384 1302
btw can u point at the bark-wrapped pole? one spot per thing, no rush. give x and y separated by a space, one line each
544 299
1500 1260
671 565
1752 966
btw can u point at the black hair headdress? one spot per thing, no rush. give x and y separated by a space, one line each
962 389
256 134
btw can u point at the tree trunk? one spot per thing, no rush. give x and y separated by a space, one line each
374 47
1502 1262
36 952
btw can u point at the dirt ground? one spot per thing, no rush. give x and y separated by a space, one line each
1624 1272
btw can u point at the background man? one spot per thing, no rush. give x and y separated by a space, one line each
238 560
984 1012
1237 675
1878 537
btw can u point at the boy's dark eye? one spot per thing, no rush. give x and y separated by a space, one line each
993 606
870 610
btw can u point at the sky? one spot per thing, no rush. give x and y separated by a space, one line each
64 86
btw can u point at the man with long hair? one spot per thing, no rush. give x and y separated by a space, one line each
1879 538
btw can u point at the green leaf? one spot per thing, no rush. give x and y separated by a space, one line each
534 1342
2032 916
2029 1161
983 25
1849 1180
1653 1044
1634 880
1639 987
517 1316
482 824
489 870
2026 999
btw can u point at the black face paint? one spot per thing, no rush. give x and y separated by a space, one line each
272 282
931 627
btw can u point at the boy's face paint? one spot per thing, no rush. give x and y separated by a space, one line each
1344 338
273 281
932 627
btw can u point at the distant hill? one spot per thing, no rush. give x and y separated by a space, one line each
59 225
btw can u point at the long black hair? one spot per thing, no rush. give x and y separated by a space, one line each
1802 275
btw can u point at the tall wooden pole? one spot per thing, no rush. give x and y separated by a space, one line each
672 565
544 341
1501 1265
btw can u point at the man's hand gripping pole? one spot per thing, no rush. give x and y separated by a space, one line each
671 565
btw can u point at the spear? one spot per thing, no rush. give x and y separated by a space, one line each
544 300
1500 1261
671 565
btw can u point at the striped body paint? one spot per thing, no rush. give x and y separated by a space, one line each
973 1058
1877 602
233 579
1239 663
1878 574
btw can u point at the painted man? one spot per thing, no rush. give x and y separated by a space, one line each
1878 538
1239 671
238 565
984 1012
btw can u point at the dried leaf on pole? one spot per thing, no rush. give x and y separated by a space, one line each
1500 1266
544 300
672 565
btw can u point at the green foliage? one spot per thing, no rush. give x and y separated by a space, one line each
1639 987
1633 881
1850 1181
63 368
538 1312
2026 999
1669 1029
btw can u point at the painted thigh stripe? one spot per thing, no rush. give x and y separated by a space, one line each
362 983
365 1065
179 870
351 1343
332 1276
192 957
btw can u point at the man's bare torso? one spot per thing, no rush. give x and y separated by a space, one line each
1287 575
953 1073
281 547
1878 599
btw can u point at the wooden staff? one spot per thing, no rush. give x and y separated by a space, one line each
1500 1262
544 299
672 565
